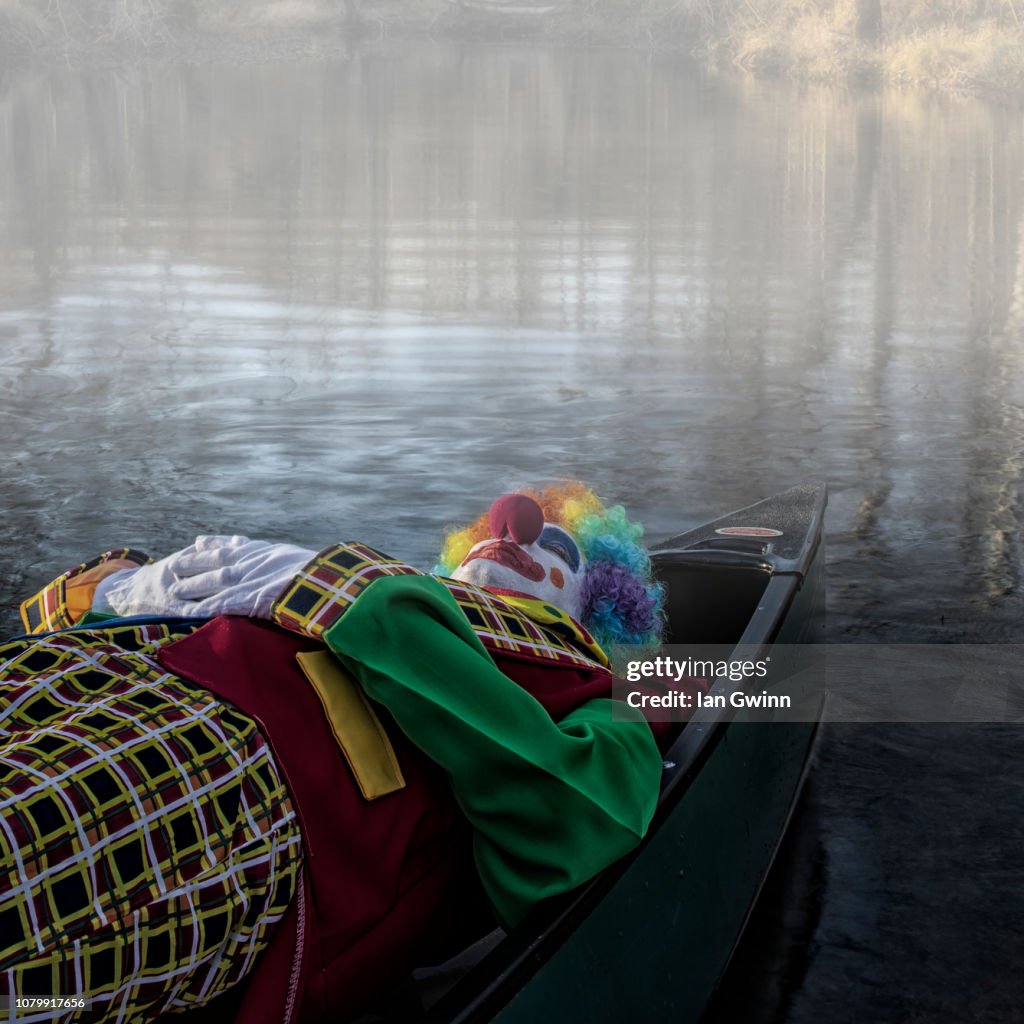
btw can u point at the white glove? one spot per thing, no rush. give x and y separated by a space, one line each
142 591
214 576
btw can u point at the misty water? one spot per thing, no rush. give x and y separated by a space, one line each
361 298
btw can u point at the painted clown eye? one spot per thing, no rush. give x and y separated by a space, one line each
558 542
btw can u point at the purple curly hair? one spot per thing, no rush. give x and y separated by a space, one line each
621 607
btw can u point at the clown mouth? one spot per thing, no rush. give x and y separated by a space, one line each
512 556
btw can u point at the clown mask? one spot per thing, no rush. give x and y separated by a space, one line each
527 556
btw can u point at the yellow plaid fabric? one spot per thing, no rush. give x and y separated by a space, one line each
330 582
559 622
49 609
148 845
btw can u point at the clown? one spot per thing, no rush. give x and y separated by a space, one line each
271 781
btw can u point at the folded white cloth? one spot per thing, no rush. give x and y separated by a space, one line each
217 575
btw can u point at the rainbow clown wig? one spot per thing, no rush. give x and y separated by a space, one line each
622 603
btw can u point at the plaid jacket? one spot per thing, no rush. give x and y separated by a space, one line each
148 844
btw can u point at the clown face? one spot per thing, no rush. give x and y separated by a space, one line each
527 556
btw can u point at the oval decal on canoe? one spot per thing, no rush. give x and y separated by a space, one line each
748 531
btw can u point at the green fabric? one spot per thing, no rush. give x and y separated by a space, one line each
91 618
551 803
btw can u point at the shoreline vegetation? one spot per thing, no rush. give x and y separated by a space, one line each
955 45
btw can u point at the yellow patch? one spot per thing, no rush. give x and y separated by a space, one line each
356 727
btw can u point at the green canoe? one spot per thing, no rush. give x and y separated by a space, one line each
654 933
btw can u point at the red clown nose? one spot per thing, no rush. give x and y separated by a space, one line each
517 517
